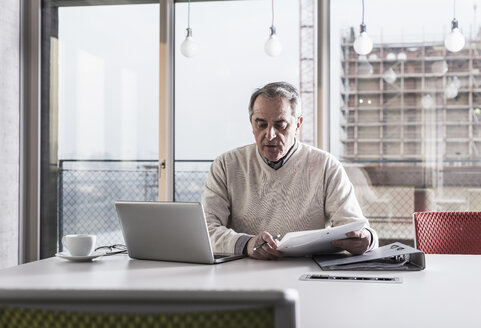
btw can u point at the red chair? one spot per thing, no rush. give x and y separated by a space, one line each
448 232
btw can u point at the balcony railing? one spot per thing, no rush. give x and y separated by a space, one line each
88 190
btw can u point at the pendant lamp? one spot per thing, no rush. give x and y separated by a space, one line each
363 43
273 46
189 48
454 41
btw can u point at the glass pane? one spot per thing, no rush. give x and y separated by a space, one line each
404 118
104 108
212 89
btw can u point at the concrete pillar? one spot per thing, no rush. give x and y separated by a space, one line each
9 131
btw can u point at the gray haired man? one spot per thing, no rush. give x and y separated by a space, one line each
278 184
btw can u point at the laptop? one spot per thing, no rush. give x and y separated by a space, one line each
167 231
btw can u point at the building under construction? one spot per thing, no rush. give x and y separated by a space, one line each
413 102
411 130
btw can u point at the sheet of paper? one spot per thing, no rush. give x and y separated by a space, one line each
310 242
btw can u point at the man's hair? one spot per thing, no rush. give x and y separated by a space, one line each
276 90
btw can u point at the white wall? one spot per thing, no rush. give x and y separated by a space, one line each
9 131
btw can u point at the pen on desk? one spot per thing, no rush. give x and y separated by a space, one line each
265 243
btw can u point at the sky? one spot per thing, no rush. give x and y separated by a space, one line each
392 21
108 73
213 88
108 76
108 82
408 20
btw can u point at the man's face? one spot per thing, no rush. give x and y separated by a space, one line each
274 127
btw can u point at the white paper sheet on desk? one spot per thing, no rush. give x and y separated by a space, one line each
310 242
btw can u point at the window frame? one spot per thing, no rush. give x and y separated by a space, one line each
37 225
35 241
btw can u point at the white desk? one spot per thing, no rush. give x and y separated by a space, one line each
446 294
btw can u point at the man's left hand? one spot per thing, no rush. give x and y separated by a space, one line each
356 243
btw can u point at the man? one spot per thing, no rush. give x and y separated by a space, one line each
278 184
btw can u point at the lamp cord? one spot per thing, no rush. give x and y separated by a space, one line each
272 13
363 11
454 9
188 15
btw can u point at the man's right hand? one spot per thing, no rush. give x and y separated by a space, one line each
267 252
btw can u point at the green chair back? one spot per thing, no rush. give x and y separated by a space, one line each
17 317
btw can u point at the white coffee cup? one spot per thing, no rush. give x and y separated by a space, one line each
79 245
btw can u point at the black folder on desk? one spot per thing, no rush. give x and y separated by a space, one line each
392 257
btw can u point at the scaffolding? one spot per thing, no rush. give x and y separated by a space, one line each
307 70
412 102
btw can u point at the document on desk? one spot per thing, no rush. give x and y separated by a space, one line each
303 243
392 257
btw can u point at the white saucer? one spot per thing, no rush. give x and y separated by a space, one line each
87 258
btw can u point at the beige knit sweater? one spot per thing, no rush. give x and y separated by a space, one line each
243 195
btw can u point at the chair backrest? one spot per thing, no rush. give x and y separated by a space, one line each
448 232
162 308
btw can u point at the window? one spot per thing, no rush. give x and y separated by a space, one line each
212 90
100 101
405 118
100 131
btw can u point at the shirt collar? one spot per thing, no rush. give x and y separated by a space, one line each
277 165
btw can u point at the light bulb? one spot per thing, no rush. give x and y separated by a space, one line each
273 46
389 76
364 67
402 56
451 90
363 43
189 48
427 102
391 56
439 68
454 41
456 82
